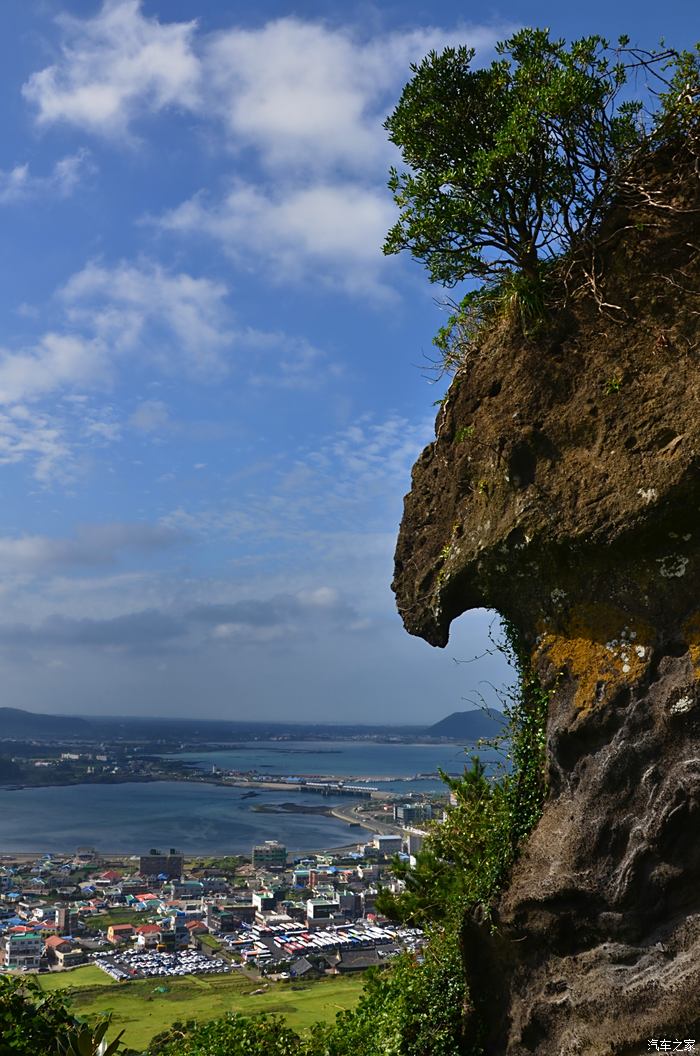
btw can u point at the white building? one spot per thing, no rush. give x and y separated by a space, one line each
415 839
21 950
388 845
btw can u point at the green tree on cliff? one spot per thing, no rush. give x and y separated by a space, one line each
511 165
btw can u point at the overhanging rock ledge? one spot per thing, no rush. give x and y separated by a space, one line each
563 490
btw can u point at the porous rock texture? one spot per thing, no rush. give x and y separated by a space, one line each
563 490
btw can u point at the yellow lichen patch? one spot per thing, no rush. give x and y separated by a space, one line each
691 633
602 648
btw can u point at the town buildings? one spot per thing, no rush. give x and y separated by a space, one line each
59 911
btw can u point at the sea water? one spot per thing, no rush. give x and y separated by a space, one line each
205 818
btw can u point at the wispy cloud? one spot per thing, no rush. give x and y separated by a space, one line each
145 631
259 620
173 321
91 546
54 361
28 435
247 621
114 67
286 362
114 319
349 481
151 416
20 184
184 320
176 320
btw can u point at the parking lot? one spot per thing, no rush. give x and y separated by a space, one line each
144 964
268 947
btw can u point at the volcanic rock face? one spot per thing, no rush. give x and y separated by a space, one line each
563 490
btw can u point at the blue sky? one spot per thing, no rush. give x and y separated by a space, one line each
212 383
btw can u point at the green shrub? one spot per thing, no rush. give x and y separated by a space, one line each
235 1035
36 1024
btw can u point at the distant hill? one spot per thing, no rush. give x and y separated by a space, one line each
16 723
469 725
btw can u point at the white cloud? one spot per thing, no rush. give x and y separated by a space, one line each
309 100
183 319
176 320
114 66
305 98
332 233
299 92
314 96
54 361
18 184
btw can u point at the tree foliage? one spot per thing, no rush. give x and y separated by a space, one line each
235 1035
468 855
36 1024
512 164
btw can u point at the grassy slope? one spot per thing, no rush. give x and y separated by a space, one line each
143 1013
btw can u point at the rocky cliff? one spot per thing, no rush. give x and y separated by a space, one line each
563 490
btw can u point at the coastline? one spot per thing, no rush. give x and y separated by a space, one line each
384 828
295 782
118 856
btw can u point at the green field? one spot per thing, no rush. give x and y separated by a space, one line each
142 1012
86 975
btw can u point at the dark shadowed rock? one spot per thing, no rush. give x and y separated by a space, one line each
563 490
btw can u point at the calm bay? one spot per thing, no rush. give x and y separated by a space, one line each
206 818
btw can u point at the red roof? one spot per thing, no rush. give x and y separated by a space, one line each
148 929
55 940
120 927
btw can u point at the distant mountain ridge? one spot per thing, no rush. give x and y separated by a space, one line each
17 723
469 725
